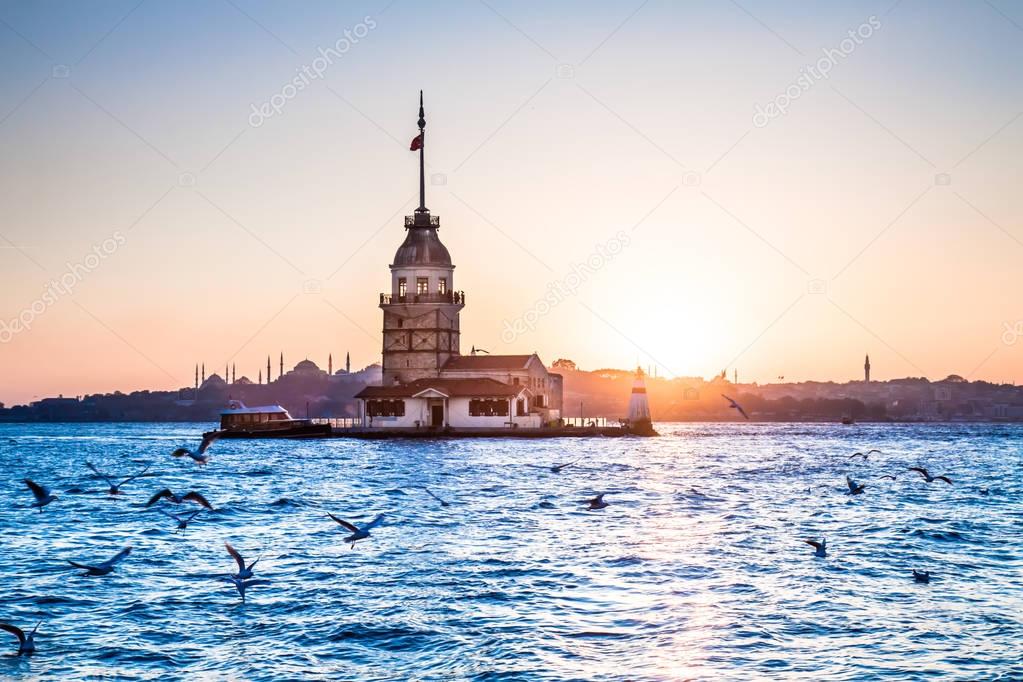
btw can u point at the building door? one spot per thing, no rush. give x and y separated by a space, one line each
437 415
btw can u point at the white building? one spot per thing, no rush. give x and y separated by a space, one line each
427 382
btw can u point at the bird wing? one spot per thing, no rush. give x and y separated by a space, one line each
343 523
254 582
16 631
741 411
566 464
194 514
946 479
99 473
181 452
851 483
889 476
375 522
82 566
132 478
237 557
734 404
166 492
919 470
814 543
208 440
118 557
169 515
37 490
197 498
874 450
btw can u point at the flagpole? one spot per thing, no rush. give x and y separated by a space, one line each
422 162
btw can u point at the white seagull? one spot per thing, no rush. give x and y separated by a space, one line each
928 478
115 488
199 457
735 406
174 498
242 585
26 642
41 493
820 548
104 567
854 487
358 533
244 572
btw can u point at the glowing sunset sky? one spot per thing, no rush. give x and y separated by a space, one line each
891 186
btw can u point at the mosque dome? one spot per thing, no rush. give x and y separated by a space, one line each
422 246
306 366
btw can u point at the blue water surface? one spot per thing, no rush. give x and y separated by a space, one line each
696 570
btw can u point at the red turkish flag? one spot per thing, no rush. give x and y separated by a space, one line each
417 142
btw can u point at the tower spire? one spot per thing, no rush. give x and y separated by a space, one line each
422 159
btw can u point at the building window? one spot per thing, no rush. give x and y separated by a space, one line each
422 285
488 407
442 286
402 287
538 401
385 408
520 407
515 381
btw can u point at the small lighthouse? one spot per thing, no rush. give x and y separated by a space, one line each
639 408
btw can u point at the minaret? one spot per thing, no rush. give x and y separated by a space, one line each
260 376
227 375
639 407
330 364
268 369
421 327
197 376
281 373
348 363
234 373
204 372
866 370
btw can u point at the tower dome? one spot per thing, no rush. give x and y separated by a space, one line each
422 246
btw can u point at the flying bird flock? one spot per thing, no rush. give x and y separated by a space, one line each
244 578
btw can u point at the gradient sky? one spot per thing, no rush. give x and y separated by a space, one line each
555 126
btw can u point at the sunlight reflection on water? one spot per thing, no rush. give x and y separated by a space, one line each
696 570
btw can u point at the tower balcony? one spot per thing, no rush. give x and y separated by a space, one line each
422 220
450 297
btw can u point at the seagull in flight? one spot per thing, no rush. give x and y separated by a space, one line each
115 488
242 585
735 406
820 548
558 467
182 519
41 493
888 476
597 502
244 572
199 457
858 454
854 487
26 642
927 476
104 567
174 498
921 576
443 503
357 533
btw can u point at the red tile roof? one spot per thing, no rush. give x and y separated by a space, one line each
487 362
453 388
